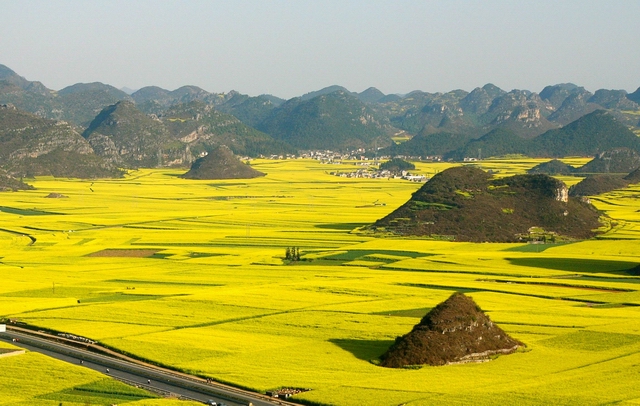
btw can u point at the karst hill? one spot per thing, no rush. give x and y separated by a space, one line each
553 167
466 204
455 331
605 172
617 160
9 183
597 184
221 164
34 146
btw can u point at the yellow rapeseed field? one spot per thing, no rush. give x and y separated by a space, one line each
192 274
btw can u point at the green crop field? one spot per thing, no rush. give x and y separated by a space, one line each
191 274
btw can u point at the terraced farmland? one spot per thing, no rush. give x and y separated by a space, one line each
192 274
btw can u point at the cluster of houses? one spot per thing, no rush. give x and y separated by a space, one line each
325 156
335 157
384 174
357 158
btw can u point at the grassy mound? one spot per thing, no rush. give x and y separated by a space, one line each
221 164
553 167
397 165
454 331
465 204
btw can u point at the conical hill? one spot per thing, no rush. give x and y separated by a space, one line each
455 331
553 167
221 164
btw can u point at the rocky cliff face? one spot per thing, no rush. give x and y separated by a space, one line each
562 193
30 145
26 135
523 112
123 134
202 128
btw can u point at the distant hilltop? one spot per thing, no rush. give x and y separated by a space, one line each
221 164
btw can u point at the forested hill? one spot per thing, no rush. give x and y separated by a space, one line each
221 164
483 122
125 135
337 120
466 204
591 134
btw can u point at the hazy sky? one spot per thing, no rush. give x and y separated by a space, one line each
288 48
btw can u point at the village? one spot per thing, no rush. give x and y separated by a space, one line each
381 174
357 158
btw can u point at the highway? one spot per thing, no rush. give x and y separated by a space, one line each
134 372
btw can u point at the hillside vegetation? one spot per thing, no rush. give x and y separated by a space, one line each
9 183
553 167
124 135
336 120
597 184
618 160
396 165
221 164
455 331
202 128
465 204
32 146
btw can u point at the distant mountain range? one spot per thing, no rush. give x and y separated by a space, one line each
157 127
589 135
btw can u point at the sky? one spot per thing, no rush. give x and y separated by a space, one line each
288 48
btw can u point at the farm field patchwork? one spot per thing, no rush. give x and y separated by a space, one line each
192 274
